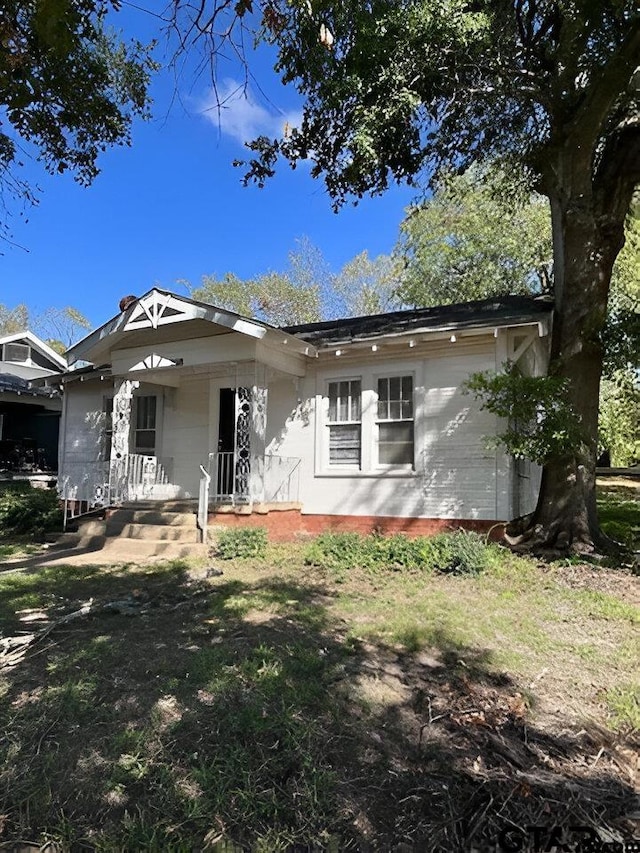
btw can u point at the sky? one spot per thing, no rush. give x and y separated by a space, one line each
171 208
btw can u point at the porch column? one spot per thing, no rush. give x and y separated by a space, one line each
258 434
121 425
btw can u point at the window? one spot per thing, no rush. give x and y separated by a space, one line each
345 412
395 420
144 440
17 353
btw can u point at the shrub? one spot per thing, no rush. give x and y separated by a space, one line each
27 510
241 542
458 552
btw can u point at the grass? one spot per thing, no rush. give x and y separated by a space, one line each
288 706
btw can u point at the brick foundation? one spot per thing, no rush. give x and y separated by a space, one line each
289 524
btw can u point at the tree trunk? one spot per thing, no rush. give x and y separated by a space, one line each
586 245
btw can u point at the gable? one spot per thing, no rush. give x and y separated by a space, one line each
25 351
164 317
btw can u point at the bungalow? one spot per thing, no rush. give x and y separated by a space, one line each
29 415
359 423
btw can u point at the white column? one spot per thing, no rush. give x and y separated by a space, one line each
121 422
259 394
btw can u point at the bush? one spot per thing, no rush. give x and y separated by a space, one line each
241 542
459 552
27 510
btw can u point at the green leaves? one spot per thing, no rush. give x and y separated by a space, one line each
540 424
472 240
69 87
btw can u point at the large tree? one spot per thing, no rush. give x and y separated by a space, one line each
467 241
69 88
401 89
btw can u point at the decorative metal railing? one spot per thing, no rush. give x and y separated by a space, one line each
85 486
231 475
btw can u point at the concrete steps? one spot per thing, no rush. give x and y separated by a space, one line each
138 532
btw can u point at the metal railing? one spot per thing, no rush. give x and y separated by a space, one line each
231 477
203 503
281 479
85 486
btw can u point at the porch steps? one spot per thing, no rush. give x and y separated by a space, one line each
139 532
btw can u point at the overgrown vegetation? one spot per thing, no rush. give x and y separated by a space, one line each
241 542
27 510
458 552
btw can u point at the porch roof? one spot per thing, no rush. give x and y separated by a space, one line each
162 311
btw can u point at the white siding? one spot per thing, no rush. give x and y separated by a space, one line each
84 423
185 436
454 476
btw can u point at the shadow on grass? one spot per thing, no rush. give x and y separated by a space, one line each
241 711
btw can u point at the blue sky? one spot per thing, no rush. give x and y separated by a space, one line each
172 206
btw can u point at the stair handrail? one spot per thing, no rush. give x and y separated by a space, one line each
203 503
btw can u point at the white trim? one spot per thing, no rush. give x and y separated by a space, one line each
39 344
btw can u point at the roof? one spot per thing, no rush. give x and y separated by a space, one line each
17 385
490 313
39 344
158 309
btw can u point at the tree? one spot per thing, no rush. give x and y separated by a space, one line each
308 290
58 327
396 91
619 433
470 242
280 298
369 285
13 320
68 86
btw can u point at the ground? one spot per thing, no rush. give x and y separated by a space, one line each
281 704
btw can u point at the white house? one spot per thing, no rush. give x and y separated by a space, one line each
359 423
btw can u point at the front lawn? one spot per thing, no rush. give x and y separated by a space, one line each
284 703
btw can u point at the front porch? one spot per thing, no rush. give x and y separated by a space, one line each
190 404
138 479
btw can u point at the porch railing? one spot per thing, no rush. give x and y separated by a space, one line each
231 477
84 486
139 477
203 503
281 479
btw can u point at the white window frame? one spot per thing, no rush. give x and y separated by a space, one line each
336 466
140 451
391 466
5 348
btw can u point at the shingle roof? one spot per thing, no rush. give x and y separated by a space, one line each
500 311
18 385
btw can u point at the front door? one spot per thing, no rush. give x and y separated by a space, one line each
226 442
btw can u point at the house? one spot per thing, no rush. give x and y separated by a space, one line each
29 413
360 423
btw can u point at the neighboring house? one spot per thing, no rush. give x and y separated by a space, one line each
358 423
29 413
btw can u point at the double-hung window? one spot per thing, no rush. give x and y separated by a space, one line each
395 420
145 429
345 422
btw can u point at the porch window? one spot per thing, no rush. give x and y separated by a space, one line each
395 420
145 429
345 427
